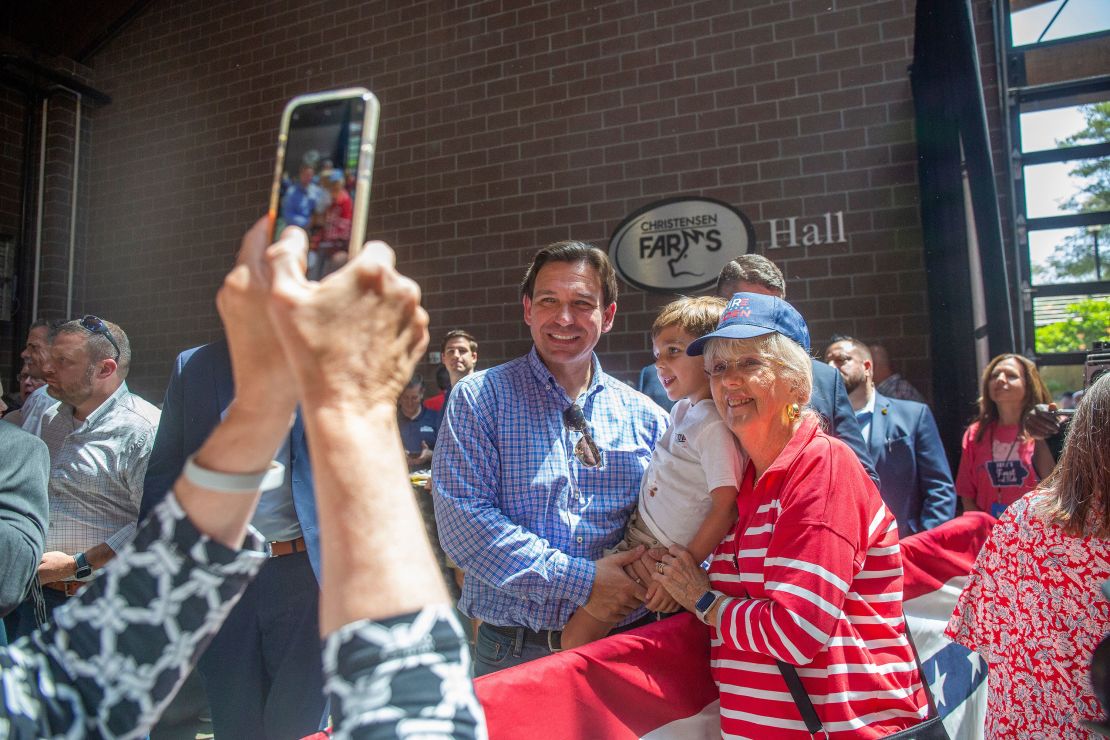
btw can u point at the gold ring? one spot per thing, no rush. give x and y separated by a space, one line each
659 568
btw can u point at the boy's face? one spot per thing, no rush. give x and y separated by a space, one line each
682 376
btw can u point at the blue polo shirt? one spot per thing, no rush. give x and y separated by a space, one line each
421 429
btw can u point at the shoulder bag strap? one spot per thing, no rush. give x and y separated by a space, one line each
921 672
805 705
801 698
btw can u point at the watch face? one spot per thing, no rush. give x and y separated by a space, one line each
705 601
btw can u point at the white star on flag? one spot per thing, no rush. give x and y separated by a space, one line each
976 663
937 685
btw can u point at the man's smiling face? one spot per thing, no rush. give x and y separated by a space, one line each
566 313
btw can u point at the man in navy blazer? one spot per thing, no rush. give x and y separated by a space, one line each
754 273
262 672
904 442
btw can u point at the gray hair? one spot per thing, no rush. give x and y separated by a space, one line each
794 365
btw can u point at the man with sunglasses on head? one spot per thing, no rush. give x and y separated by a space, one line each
99 437
538 466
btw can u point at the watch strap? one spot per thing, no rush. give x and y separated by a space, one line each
84 570
706 603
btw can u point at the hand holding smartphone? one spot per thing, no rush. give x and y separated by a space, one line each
325 157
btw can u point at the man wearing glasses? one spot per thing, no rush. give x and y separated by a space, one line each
99 437
538 467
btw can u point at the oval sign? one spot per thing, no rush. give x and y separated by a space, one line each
679 245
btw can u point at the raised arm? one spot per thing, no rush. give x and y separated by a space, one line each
353 340
173 585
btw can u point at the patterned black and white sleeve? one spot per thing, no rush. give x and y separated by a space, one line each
402 677
113 657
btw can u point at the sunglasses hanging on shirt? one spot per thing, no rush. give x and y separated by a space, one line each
586 449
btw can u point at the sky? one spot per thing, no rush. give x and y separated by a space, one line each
1078 17
1047 186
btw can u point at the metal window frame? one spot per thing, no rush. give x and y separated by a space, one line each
1012 100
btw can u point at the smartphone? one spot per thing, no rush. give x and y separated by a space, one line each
325 156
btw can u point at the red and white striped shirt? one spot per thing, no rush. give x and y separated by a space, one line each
816 575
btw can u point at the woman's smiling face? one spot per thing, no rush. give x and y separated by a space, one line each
748 393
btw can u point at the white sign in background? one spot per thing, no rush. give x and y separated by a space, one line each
679 245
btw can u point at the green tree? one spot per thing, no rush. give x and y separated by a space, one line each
1095 195
1090 322
1074 258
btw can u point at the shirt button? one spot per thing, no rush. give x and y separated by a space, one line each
579 540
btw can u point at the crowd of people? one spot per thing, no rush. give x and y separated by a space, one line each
319 200
757 482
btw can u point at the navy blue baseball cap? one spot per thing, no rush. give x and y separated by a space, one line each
750 315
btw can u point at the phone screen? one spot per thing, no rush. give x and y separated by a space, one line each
323 176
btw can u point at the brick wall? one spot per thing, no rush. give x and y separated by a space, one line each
506 126
18 216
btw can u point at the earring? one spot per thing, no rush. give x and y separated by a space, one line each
793 411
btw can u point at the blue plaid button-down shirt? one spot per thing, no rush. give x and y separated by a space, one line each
516 510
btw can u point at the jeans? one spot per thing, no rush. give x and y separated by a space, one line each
22 620
494 651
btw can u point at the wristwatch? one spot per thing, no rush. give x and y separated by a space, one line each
84 570
705 604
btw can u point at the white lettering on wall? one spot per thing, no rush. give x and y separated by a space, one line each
826 229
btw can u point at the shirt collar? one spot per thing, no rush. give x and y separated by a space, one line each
545 378
100 411
806 432
869 407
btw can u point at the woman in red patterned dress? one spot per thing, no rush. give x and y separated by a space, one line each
1033 607
1000 463
811 575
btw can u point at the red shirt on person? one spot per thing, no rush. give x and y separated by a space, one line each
337 221
998 469
815 565
435 403
1033 610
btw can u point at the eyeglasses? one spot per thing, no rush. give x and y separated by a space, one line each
96 325
746 365
586 449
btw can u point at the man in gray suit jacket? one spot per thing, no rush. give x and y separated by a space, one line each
24 473
903 439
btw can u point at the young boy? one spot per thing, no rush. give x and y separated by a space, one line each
688 493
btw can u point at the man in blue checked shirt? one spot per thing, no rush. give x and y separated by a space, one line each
538 466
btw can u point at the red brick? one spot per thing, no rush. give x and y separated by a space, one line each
505 126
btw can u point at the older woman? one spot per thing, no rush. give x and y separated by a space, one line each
1032 607
1000 462
811 575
